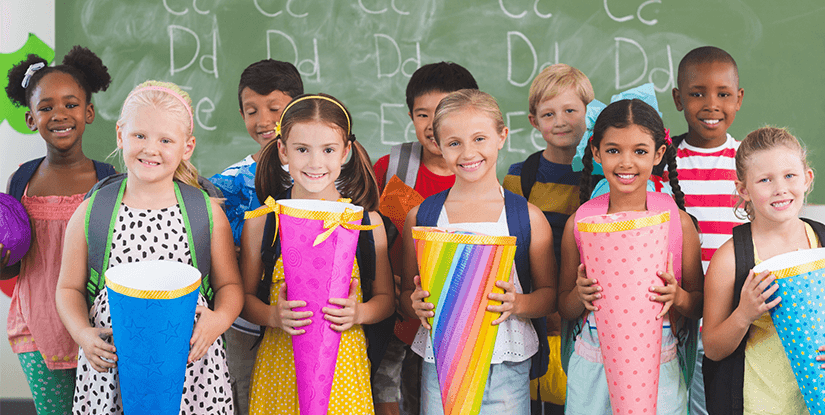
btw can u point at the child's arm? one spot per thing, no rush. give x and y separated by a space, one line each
226 282
687 298
576 291
252 268
70 296
382 303
412 302
542 300
7 272
724 327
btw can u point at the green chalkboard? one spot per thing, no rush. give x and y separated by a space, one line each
363 52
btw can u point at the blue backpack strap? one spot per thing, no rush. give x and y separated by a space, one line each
101 214
404 162
103 170
21 177
197 217
430 208
518 221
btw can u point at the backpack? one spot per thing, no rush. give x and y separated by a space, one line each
518 222
378 334
101 215
405 159
725 379
20 178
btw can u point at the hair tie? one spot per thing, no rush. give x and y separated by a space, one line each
172 93
668 140
30 72
304 98
352 137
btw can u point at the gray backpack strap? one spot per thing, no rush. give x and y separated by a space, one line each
197 217
101 214
404 162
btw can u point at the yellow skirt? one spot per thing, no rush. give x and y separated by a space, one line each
273 389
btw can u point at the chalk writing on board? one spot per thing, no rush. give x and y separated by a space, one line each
670 83
314 64
535 61
172 29
207 110
185 10
630 16
384 121
382 11
288 8
400 66
524 13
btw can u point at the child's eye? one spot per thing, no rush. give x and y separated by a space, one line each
481 138
724 95
45 109
251 112
421 115
570 110
452 144
641 152
139 136
329 150
696 94
790 176
612 151
548 115
765 180
71 105
165 141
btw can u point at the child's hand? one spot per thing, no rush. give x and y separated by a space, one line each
821 357
508 300
287 320
207 329
755 291
422 309
5 256
587 289
344 318
668 293
92 341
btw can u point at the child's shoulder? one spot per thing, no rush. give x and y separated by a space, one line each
237 168
515 169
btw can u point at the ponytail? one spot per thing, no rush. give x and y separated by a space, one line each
586 182
357 180
270 177
673 176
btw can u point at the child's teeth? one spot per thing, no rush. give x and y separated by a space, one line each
315 176
712 122
780 204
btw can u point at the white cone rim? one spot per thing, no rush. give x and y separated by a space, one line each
154 275
790 259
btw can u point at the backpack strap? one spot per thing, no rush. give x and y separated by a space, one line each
21 177
103 170
270 252
430 208
405 159
197 217
529 170
819 229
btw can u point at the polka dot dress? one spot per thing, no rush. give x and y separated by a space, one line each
151 235
273 389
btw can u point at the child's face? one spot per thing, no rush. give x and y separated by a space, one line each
710 97
561 120
776 183
261 112
315 152
422 117
470 144
154 143
627 156
59 111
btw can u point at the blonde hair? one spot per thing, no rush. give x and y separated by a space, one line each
763 139
467 99
556 78
143 96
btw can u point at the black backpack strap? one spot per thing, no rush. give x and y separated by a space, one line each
529 170
430 208
103 170
270 251
197 217
101 214
819 229
404 161
21 177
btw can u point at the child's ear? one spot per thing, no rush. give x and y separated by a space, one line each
740 96
677 99
282 152
190 148
90 113
743 190
30 121
533 122
347 149
503 137
596 156
119 134
809 178
660 153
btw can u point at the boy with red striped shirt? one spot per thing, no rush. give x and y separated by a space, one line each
708 93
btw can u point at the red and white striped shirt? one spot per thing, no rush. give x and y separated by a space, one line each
707 177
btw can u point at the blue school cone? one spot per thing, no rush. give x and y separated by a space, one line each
799 318
152 304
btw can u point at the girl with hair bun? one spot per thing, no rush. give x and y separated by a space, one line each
59 106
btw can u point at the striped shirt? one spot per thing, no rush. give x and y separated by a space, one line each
707 177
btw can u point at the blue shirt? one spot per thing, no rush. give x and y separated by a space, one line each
237 182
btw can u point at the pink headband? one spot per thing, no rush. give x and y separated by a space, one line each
172 93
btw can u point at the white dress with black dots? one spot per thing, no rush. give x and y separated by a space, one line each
152 235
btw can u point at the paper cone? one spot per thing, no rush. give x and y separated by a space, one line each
798 318
316 273
460 269
623 251
152 304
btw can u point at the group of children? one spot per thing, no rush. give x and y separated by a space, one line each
241 357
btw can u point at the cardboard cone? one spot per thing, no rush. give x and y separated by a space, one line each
152 305
315 270
623 251
460 270
798 318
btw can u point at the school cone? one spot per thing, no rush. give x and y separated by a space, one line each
799 318
152 305
623 251
460 269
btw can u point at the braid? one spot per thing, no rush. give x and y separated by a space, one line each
585 184
673 177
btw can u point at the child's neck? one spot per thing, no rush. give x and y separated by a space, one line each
149 195
559 155
299 192
775 238
623 202
694 139
487 187
435 163
68 159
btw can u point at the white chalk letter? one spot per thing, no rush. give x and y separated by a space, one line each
671 82
263 12
315 65
618 19
288 39
510 59
416 60
384 121
543 16
397 10
378 55
171 29
207 113
199 11
618 72
639 12
508 14
169 9
515 131
366 10
291 13
214 56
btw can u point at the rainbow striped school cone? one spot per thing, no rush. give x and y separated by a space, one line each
152 305
460 270
799 318
623 251
318 243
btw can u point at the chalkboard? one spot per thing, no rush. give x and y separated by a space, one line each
364 51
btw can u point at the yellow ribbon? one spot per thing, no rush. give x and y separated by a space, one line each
430 234
331 220
799 269
624 225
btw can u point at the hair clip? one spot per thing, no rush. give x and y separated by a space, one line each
278 128
668 140
30 72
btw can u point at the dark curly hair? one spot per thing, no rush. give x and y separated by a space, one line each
82 64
